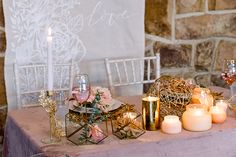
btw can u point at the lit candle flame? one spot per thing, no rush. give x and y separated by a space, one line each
49 31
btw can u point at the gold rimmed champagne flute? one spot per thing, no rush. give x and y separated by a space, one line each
229 75
229 71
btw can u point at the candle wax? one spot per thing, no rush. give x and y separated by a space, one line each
50 60
196 118
218 114
171 125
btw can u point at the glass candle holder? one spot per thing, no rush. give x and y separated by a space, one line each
80 131
126 123
202 96
218 114
222 103
171 125
151 113
196 118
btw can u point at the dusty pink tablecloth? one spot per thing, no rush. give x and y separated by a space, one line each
25 128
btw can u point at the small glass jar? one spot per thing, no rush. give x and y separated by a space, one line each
202 96
222 103
218 114
196 118
171 125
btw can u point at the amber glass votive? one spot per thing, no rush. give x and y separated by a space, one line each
151 113
218 114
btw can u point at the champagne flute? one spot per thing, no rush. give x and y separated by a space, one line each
81 88
229 76
229 71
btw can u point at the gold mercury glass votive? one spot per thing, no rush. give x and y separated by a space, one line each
151 113
126 123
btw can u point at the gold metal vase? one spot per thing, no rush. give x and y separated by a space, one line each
151 113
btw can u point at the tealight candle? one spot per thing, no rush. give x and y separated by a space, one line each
218 114
130 115
171 125
196 118
223 104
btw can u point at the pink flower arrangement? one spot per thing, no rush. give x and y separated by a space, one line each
95 132
101 97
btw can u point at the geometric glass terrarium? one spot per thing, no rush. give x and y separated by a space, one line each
126 123
88 127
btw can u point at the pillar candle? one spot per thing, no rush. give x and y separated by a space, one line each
218 114
196 118
50 60
171 124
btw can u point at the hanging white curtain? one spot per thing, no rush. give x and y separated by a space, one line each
83 30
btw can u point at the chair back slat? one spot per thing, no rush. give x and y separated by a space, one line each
17 85
133 70
148 70
141 67
126 73
61 76
118 71
36 79
44 76
27 77
158 65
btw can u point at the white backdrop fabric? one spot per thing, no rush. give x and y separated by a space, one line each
84 31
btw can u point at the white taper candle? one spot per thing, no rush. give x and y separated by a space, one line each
50 60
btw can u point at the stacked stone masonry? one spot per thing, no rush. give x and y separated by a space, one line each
3 101
2 52
193 37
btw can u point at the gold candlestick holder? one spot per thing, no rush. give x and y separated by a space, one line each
47 102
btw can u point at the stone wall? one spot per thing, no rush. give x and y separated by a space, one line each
3 101
192 36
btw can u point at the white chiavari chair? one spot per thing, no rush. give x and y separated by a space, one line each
31 79
132 71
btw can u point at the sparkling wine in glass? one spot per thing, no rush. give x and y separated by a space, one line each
81 88
229 76
229 71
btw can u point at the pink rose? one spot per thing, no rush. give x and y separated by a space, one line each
105 97
95 132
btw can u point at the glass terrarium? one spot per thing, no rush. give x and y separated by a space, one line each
86 127
127 123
